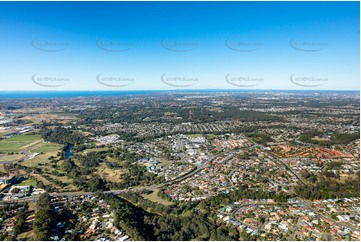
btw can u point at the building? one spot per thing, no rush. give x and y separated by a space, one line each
4 180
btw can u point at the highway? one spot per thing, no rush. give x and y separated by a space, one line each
199 168
185 176
278 161
129 189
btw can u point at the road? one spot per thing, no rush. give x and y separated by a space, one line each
129 189
309 206
233 214
307 203
349 126
150 187
185 176
289 168
195 171
137 189
276 160
292 236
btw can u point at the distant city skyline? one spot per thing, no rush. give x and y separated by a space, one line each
179 45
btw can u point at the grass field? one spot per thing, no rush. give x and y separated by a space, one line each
17 143
111 175
42 179
13 157
27 182
42 158
4 133
195 135
48 150
201 135
94 149
29 235
164 162
210 136
64 179
46 147
320 139
41 161
154 198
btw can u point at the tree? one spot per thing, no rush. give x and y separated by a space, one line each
43 218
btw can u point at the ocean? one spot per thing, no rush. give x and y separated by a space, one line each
74 94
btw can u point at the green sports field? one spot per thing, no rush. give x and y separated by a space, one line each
27 182
18 143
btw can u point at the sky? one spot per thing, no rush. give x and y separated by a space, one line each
179 45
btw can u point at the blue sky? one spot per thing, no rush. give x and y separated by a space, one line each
179 45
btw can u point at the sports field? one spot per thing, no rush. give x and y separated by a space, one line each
27 182
18 143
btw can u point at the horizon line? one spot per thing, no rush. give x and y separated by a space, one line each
182 90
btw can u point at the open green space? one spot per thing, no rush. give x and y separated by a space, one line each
10 157
195 135
39 159
208 136
27 182
94 150
155 198
19 142
44 147
4 133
